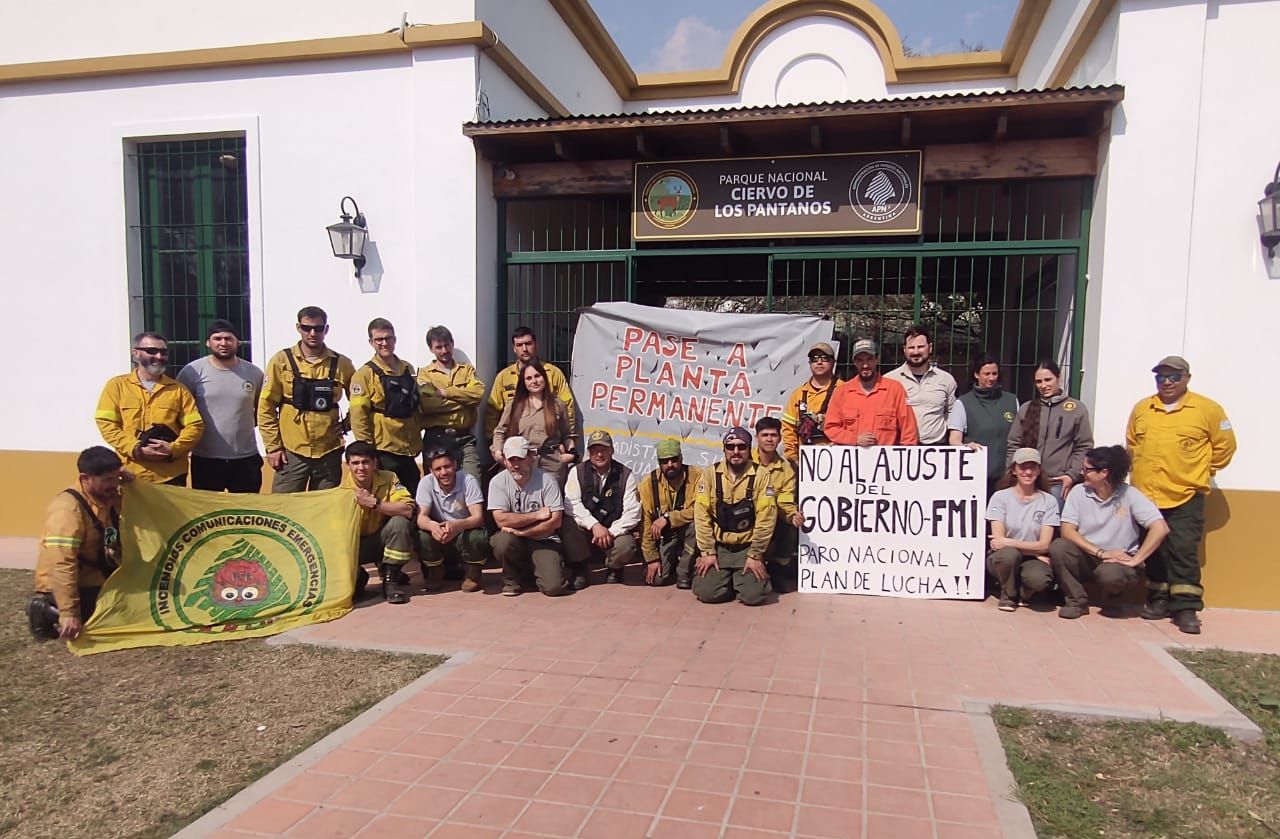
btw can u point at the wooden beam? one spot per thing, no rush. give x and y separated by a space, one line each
726 142
815 137
539 180
1002 127
906 130
1064 158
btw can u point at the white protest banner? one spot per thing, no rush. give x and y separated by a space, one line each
893 521
644 373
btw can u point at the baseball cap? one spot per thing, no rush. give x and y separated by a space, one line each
515 447
737 433
865 345
1173 362
669 447
600 437
822 347
221 325
1026 454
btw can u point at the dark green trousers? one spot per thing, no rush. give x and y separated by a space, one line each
1173 571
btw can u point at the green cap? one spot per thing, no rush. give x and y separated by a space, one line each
669 447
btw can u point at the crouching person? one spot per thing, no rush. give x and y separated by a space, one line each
1102 538
1022 514
79 547
601 497
528 508
666 503
734 517
451 521
386 522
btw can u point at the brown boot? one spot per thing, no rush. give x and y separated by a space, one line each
433 577
472 582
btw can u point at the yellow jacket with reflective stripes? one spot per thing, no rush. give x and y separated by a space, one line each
463 393
386 487
1175 453
126 409
666 502
709 533
68 537
504 390
368 423
308 433
783 477
805 399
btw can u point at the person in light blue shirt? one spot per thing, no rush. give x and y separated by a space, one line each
1023 515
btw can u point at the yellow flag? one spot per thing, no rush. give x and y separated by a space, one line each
206 566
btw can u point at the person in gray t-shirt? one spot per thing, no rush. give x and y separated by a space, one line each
226 388
1102 537
528 508
450 521
1022 517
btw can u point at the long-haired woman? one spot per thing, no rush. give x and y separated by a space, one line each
537 415
1057 426
1023 515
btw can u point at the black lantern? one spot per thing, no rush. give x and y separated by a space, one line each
1269 208
347 236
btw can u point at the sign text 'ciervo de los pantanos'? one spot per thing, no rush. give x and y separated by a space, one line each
863 194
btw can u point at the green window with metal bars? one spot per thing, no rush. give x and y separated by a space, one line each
999 267
193 232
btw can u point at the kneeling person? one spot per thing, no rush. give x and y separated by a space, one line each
528 508
602 498
79 548
451 519
781 555
386 521
666 513
734 516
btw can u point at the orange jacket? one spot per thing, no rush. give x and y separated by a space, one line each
883 412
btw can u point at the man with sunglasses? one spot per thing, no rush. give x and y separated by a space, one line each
298 412
1179 440
734 515
666 513
805 415
385 407
150 419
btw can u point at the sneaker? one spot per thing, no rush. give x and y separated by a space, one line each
612 576
1156 610
1070 612
510 589
1007 605
1187 621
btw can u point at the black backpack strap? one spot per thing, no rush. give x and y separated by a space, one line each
719 489
333 368
751 488
653 478
100 562
293 362
679 504
827 399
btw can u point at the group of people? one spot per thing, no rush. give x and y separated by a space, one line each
726 531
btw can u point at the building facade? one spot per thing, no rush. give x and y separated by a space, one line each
1088 192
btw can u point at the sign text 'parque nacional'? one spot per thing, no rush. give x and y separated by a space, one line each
865 194
893 521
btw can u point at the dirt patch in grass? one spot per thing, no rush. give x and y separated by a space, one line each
140 742
1159 779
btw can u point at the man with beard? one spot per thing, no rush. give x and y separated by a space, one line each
870 410
79 547
226 388
525 346
298 412
451 521
528 508
386 522
149 418
666 513
450 392
931 391
734 516
384 406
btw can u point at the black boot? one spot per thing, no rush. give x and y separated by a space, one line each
395 584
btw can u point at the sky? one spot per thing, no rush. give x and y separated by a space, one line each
659 36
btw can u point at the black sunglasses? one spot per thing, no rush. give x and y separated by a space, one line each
1168 377
152 350
663 460
735 447
821 357
306 327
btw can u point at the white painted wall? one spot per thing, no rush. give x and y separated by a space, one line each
505 100
1055 32
63 29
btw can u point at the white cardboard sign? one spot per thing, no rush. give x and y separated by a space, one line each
893 521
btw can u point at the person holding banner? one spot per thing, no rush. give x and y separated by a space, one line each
528 507
384 406
780 558
386 522
602 500
734 517
931 391
540 417
451 521
450 392
524 344
1102 533
870 410
1023 516
79 547
804 418
666 513
1055 424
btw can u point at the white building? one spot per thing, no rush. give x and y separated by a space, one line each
1089 192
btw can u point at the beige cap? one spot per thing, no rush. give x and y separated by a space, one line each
822 347
1173 362
515 447
1026 454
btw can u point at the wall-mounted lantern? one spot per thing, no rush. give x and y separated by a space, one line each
348 236
1269 208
